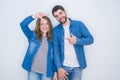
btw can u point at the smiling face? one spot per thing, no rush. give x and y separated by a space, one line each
44 26
60 15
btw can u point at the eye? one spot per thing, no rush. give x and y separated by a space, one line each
56 16
41 24
60 13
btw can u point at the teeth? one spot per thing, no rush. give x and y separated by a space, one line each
44 28
62 19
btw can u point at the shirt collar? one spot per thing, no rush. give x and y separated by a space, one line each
71 23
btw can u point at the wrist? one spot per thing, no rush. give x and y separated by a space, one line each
60 69
33 16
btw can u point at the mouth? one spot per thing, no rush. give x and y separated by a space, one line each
62 19
44 29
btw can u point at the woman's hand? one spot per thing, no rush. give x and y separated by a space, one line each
39 15
55 76
62 74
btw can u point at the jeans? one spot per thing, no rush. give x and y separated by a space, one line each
37 76
74 73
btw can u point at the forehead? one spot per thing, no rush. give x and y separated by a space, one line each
44 20
58 11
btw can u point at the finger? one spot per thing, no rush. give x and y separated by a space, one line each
65 77
40 17
60 78
43 14
54 78
66 73
72 35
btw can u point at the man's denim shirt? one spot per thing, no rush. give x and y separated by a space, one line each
84 37
33 46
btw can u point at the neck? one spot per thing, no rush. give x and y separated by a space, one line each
44 35
67 22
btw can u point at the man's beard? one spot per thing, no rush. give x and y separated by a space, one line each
64 21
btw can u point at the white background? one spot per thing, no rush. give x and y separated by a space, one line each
102 18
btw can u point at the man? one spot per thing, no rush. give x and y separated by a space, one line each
69 37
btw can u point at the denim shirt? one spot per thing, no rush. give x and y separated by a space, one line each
78 29
33 46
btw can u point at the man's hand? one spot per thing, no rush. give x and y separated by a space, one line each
71 40
62 74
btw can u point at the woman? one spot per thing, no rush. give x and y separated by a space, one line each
38 60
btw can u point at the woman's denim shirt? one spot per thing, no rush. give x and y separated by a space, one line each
33 46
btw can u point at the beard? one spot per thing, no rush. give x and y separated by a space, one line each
62 22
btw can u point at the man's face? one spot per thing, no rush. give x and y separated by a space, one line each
60 15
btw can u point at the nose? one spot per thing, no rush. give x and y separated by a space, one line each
59 17
44 25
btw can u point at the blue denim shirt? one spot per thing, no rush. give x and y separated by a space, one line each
33 46
84 37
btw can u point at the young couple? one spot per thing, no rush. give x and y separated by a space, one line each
55 54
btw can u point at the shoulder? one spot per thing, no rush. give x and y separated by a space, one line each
56 28
76 21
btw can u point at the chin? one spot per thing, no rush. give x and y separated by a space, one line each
63 22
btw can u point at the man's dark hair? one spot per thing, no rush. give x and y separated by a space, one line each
55 8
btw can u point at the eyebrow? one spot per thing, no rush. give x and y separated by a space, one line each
56 15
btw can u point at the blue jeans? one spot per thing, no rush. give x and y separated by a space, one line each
74 73
36 76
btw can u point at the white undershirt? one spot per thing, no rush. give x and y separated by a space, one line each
70 58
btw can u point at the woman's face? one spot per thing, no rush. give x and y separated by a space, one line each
44 26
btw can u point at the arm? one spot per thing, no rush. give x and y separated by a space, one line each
24 26
87 37
84 40
56 51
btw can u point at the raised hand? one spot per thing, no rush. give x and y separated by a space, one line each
39 15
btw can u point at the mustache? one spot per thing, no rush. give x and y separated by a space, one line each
64 21
62 18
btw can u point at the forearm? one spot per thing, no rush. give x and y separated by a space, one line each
85 41
26 21
24 26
